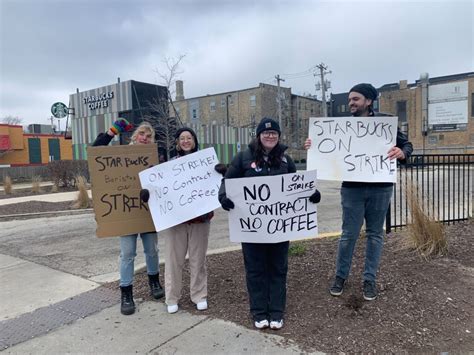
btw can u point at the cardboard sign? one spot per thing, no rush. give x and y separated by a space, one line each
272 209
116 188
183 188
353 148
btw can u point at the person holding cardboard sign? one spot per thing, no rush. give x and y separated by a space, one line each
189 237
144 134
364 201
266 264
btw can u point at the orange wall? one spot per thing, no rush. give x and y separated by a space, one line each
19 142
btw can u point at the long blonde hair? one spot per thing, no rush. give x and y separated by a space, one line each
144 127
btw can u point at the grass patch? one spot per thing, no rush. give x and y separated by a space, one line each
36 184
425 234
82 199
7 185
297 249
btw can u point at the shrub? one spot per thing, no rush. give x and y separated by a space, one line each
425 235
36 184
7 185
82 199
63 173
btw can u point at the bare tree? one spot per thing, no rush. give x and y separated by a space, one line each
164 124
12 120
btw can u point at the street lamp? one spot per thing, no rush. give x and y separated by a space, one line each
227 108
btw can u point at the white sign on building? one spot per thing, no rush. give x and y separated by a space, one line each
448 103
272 209
353 148
183 188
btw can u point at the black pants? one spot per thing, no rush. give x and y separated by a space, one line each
266 267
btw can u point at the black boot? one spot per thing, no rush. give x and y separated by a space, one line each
128 305
155 288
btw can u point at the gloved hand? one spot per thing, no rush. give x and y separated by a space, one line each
315 197
227 204
120 126
144 195
221 168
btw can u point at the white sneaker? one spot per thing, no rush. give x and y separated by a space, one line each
172 308
261 324
201 305
276 324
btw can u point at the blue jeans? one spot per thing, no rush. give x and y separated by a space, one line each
359 203
128 251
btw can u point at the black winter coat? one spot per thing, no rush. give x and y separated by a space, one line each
244 165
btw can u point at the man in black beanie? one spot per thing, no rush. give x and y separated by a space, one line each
361 99
364 201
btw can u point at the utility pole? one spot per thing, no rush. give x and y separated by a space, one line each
277 77
324 86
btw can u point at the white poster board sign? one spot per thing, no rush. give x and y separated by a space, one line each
272 209
183 188
448 103
353 148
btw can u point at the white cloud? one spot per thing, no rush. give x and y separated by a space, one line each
51 47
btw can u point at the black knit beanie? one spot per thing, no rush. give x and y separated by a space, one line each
367 90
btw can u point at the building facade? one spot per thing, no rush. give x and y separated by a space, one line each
436 113
94 111
244 109
20 149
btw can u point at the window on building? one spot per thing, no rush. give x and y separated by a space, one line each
212 106
472 104
402 111
253 100
433 139
343 108
222 102
299 105
376 105
231 100
194 113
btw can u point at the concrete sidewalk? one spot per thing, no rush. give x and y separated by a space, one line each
44 310
55 197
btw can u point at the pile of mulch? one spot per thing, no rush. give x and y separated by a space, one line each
34 207
423 306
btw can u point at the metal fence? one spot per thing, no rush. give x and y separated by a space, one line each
441 184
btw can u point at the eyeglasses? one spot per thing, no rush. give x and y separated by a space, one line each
268 134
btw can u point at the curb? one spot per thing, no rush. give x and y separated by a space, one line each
45 214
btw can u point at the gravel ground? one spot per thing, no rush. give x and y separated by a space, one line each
423 306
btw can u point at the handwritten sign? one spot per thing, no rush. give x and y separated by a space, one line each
353 148
272 209
116 188
183 188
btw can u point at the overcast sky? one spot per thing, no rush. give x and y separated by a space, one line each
51 47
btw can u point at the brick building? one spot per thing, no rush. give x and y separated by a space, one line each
437 113
21 149
245 108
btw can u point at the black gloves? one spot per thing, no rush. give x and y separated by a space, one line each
227 204
315 197
144 195
221 168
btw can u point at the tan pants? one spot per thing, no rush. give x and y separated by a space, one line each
191 238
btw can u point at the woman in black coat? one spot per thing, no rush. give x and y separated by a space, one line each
266 264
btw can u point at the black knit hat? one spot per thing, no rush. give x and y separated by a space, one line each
268 124
190 130
367 90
